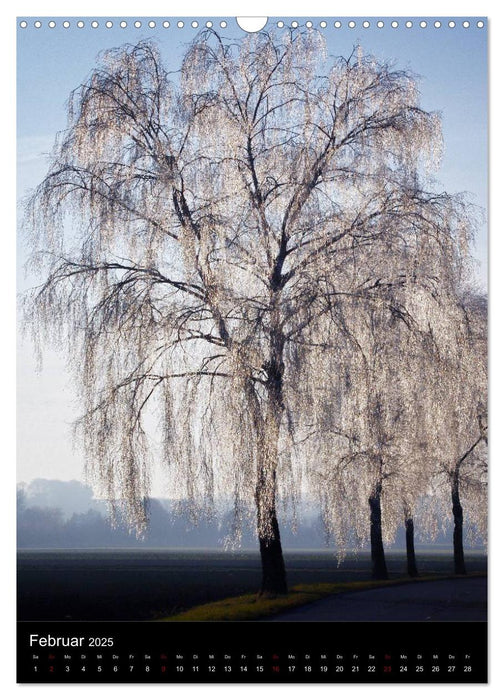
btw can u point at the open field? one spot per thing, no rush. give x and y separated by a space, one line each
139 584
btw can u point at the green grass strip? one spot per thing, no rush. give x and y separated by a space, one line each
252 607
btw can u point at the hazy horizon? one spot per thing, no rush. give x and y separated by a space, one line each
78 525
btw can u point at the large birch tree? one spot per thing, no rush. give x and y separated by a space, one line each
207 239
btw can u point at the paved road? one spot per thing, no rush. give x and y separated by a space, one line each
454 599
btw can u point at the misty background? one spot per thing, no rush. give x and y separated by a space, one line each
54 514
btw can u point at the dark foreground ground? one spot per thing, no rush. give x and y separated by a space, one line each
456 600
140 584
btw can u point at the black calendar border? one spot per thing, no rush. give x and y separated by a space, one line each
274 642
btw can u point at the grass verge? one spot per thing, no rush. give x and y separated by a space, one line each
251 607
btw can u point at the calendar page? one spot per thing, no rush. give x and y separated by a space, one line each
252 388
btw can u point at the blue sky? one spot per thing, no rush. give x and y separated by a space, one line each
451 63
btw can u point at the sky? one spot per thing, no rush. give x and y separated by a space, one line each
452 68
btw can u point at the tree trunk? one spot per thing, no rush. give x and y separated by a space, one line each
274 579
377 552
458 523
410 544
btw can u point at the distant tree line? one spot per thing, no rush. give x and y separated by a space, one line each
45 520
49 526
